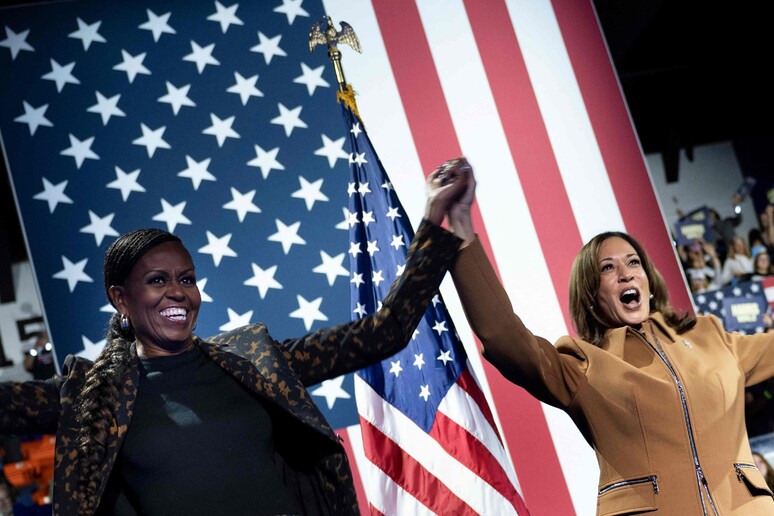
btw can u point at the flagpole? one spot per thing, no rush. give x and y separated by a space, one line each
330 37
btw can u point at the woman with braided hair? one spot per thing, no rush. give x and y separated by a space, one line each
164 422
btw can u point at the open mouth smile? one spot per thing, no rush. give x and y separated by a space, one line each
630 298
174 313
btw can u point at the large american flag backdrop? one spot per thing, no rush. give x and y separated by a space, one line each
212 119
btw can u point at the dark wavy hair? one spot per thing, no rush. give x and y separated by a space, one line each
584 284
95 404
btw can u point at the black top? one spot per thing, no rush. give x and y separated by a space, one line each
199 443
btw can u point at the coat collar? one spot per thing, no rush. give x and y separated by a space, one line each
616 337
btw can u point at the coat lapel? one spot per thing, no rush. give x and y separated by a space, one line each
615 341
122 416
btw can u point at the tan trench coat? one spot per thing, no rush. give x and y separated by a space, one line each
658 450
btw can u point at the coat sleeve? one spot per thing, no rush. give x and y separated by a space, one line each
29 407
754 353
330 352
525 359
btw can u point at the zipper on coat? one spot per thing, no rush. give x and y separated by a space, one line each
702 482
615 485
738 467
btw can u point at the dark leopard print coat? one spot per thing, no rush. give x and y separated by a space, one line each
314 462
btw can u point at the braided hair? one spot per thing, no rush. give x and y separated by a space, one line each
95 404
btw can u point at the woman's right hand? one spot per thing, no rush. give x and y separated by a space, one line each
451 189
460 221
444 186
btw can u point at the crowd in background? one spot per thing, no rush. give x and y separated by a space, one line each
724 258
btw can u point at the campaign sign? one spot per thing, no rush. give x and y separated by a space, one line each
744 314
692 227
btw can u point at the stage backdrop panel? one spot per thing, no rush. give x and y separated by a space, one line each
216 122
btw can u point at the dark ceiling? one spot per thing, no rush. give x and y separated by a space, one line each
693 73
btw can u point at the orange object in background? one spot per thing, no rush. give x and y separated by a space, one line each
36 467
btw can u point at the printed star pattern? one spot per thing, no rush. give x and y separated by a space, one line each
331 266
225 16
266 160
311 78
331 390
158 25
309 192
53 194
197 171
126 182
309 311
221 129
201 56
172 215
245 87
34 117
269 47
333 150
132 65
152 139
80 150
177 97
292 9
242 204
136 125
217 247
106 107
87 33
16 42
61 75
263 279
287 235
289 119
99 227
73 273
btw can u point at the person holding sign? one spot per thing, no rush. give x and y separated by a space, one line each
700 261
658 394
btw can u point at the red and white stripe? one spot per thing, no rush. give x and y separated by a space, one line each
526 91
458 467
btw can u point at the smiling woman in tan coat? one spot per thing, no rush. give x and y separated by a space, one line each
658 395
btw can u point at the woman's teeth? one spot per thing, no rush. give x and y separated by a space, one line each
176 314
630 296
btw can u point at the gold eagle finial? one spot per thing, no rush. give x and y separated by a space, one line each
331 37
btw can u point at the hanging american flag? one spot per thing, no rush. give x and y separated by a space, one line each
524 89
426 427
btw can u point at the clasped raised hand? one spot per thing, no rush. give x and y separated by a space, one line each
451 190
